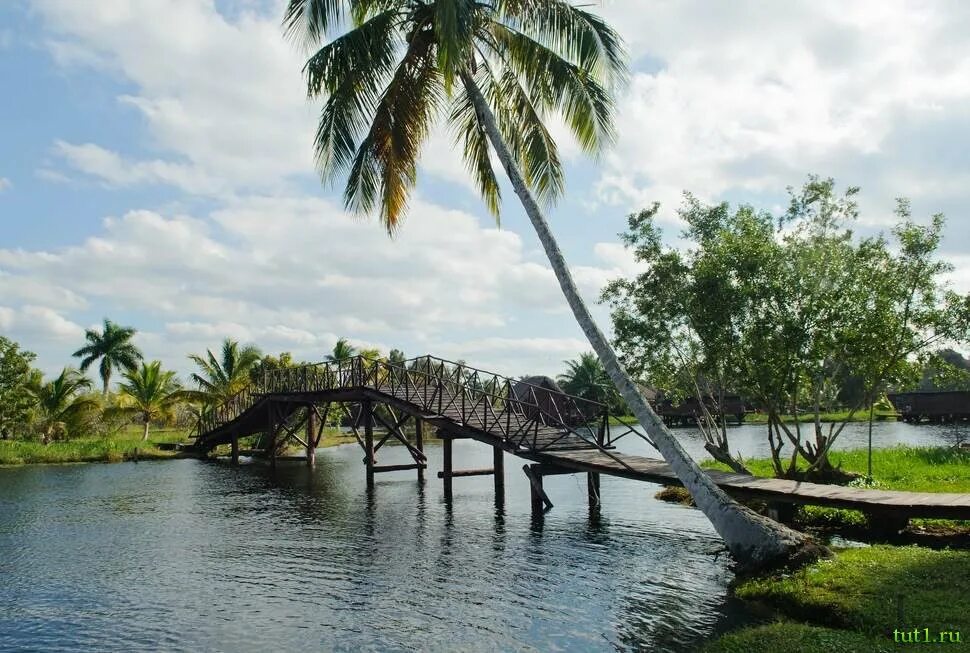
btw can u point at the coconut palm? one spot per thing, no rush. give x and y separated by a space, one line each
586 378
61 405
342 350
150 393
495 69
114 349
222 377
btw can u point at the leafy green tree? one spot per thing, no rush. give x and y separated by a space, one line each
62 407
219 378
497 69
786 309
113 347
15 398
150 393
945 370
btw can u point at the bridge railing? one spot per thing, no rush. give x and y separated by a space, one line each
529 415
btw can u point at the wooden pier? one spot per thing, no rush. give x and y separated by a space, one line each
555 432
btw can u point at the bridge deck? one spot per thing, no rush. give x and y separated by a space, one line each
558 431
909 504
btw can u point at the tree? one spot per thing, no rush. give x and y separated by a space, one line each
342 350
271 363
114 349
15 398
788 309
585 377
498 68
62 407
150 393
220 378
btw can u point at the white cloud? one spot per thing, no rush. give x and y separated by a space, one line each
38 324
292 273
750 97
114 170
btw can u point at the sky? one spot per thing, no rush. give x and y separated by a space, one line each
157 170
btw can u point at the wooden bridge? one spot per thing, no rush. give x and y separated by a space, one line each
556 432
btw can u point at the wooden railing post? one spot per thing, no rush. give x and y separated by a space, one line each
419 443
367 409
311 434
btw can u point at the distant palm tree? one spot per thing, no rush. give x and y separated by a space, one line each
342 351
585 377
60 403
113 347
497 69
220 378
150 393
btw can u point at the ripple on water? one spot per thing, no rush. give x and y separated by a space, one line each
183 555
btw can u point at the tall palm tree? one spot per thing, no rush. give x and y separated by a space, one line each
222 377
342 350
497 69
585 377
113 347
61 404
150 393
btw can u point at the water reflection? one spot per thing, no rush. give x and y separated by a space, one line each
185 555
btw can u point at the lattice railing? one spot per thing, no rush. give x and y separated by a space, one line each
530 416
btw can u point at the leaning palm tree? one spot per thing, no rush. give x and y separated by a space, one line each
61 405
149 393
495 69
113 347
222 377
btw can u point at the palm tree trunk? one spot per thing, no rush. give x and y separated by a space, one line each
754 541
144 433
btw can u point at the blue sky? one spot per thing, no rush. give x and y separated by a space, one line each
158 172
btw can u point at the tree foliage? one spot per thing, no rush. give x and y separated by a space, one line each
783 308
15 397
113 347
150 393
63 409
389 73
221 377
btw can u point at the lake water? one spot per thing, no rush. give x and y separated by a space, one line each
188 555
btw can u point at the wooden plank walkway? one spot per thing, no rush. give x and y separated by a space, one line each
911 504
552 430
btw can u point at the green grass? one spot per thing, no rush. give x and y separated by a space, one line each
126 445
853 602
834 416
914 469
910 469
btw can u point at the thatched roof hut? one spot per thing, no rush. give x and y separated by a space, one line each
550 399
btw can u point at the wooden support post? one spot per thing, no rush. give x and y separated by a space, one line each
593 489
540 500
369 461
498 464
446 474
234 444
419 444
272 435
311 434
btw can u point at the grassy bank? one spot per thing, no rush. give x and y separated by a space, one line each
126 445
915 469
762 418
836 416
911 469
856 601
